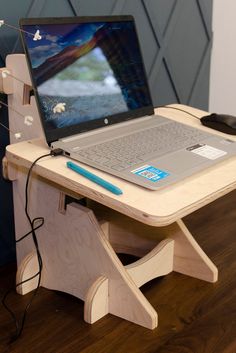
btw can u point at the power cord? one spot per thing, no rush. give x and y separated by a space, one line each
19 324
181 110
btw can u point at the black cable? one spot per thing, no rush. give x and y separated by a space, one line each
181 110
35 228
20 325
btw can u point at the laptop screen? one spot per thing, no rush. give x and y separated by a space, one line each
87 72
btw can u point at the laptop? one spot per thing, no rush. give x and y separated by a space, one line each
94 102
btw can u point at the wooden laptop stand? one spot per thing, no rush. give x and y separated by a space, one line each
79 244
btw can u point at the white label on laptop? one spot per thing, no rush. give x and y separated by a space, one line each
150 173
207 151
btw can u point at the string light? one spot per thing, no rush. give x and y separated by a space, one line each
16 134
36 35
28 119
6 73
59 108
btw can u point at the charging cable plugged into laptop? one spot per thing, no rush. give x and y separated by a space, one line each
96 179
56 152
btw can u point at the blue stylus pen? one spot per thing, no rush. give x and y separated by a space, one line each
96 179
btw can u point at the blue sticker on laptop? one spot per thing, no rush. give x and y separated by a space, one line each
150 173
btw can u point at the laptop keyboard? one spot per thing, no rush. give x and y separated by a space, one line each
141 146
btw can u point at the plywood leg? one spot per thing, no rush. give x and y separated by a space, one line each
76 254
96 301
78 259
28 268
189 258
158 262
137 238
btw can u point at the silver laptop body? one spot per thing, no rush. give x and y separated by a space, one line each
94 102
151 169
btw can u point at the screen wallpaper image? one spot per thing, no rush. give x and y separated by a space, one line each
86 71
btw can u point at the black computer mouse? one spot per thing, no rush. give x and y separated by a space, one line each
221 122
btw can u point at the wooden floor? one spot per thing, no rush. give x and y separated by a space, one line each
194 316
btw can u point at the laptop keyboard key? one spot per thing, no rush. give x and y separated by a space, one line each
142 146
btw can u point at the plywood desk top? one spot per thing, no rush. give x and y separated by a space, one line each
156 208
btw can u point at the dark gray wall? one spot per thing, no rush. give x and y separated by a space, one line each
175 38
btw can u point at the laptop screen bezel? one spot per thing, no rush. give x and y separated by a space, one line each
58 133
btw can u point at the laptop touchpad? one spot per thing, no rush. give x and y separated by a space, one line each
179 161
